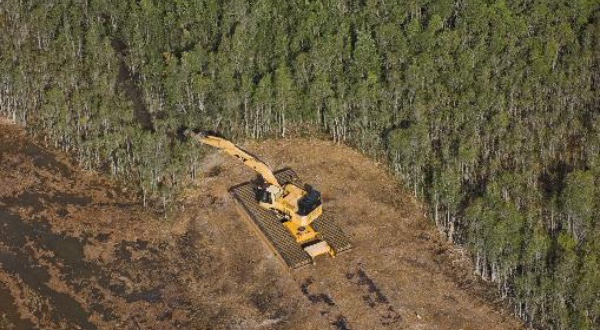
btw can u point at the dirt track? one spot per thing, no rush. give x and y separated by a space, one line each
78 252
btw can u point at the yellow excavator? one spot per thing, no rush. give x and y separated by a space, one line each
289 204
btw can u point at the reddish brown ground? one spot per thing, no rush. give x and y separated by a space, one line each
78 252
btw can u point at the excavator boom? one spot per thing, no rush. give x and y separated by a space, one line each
230 148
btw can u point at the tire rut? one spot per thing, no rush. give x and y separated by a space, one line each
328 308
374 298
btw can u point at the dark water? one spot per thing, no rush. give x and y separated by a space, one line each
32 252
9 315
19 261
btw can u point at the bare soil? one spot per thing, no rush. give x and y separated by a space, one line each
78 251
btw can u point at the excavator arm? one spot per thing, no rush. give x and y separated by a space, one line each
235 151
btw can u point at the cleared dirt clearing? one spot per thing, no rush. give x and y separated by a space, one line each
78 252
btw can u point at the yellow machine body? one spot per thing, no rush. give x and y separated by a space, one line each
285 200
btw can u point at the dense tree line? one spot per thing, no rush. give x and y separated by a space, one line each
488 110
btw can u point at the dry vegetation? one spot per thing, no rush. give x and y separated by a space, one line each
76 251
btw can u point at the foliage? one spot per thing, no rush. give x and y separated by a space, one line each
488 110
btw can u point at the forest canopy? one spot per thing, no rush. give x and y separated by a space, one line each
487 110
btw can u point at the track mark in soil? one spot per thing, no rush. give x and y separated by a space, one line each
315 298
328 305
341 323
374 298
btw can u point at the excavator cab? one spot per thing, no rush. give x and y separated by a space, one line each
309 202
262 196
